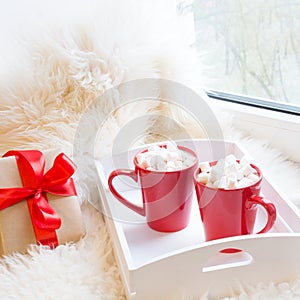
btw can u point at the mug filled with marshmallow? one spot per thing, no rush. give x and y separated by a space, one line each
165 175
228 192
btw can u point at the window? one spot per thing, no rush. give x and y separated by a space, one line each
250 48
251 55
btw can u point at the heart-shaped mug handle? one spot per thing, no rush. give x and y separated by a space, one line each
133 175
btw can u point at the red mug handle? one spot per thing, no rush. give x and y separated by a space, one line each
270 209
133 175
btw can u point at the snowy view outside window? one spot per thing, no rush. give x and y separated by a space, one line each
249 47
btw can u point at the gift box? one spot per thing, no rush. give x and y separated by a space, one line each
38 201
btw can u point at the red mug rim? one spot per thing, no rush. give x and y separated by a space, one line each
174 171
212 163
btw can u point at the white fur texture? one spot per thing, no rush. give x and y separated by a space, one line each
69 54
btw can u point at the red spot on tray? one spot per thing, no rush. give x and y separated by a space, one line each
230 250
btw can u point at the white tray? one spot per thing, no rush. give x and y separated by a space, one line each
157 265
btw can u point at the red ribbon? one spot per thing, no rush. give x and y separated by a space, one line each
57 181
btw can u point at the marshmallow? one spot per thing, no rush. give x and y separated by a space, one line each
145 164
171 147
244 161
172 156
253 177
168 158
179 164
186 163
239 175
244 182
215 184
216 172
140 157
231 167
209 184
230 159
171 164
154 148
246 170
203 178
222 183
228 173
204 167
232 182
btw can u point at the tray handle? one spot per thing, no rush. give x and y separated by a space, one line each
227 258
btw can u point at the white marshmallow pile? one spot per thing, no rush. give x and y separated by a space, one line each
228 173
169 158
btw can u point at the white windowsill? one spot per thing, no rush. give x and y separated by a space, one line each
280 130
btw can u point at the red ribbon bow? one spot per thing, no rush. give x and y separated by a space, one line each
57 181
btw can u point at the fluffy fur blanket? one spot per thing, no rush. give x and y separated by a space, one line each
69 54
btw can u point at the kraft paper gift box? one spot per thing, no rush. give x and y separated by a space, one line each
46 209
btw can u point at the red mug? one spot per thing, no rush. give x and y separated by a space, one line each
166 195
232 212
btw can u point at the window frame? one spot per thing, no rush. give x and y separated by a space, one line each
254 102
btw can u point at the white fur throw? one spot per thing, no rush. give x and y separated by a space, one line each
69 54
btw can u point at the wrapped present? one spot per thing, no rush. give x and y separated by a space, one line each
38 201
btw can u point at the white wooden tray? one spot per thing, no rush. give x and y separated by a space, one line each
158 265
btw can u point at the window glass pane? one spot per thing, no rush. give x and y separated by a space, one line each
250 47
